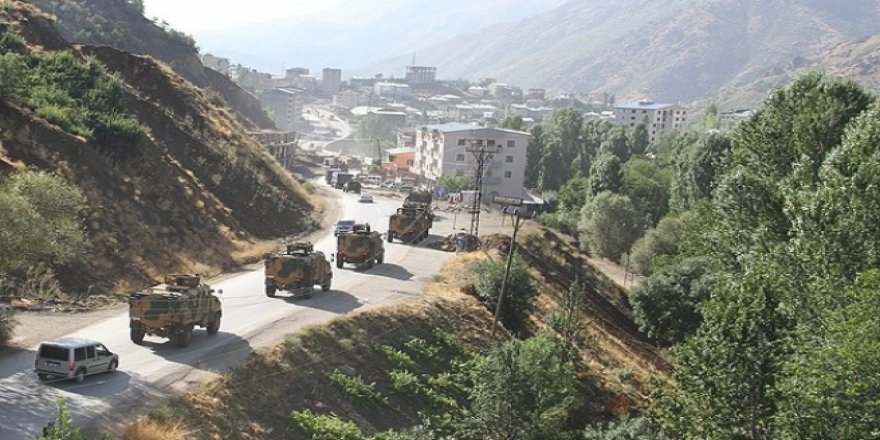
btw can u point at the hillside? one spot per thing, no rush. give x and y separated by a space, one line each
120 24
679 50
356 32
172 183
427 337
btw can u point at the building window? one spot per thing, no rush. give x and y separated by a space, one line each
479 142
461 141
459 173
508 159
511 143
409 163
459 157
508 174
490 142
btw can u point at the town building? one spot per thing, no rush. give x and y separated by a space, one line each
659 118
350 99
216 63
331 81
443 150
295 72
392 118
729 120
406 138
281 144
362 84
419 75
392 90
253 80
284 106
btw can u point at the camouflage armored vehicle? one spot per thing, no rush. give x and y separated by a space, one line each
360 246
297 270
173 309
409 224
418 199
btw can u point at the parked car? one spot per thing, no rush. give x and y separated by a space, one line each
73 358
366 198
343 226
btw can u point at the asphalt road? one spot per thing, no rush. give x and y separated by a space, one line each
251 320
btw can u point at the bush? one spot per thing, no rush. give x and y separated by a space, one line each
355 387
658 245
63 428
325 427
627 428
666 305
520 289
609 225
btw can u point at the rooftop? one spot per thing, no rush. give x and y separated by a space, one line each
644 105
453 127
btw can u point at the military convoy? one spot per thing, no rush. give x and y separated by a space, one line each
171 310
361 246
412 222
409 224
297 270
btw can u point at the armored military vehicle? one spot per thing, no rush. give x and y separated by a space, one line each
360 246
173 309
418 199
409 224
297 270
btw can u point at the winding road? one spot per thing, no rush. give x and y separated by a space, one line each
156 369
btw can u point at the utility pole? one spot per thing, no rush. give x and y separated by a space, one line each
511 205
483 154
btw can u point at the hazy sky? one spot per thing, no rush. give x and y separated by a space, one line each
193 16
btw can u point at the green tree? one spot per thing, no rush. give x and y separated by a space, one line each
534 156
62 428
606 173
711 120
661 244
573 195
609 225
639 139
454 184
554 170
522 390
617 142
520 293
513 122
647 186
626 428
831 387
697 165
666 305
39 221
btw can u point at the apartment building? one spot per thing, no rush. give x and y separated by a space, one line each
443 150
658 118
217 63
331 81
418 75
284 105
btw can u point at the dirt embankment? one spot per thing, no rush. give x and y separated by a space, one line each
255 401
194 193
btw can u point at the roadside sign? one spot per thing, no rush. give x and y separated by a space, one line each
508 201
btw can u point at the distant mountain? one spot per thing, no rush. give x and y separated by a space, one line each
357 32
671 50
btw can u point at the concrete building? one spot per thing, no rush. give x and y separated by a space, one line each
406 138
350 99
331 80
729 120
418 75
659 118
537 94
284 105
362 84
442 150
281 144
254 80
392 90
217 63
296 72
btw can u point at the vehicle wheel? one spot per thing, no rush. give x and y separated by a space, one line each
370 262
80 375
326 287
381 258
183 337
137 333
390 237
112 367
339 262
43 376
214 325
270 291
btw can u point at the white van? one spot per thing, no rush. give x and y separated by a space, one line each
73 358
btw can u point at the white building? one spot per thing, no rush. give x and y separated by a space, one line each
284 105
658 118
443 150
392 90
217 63
331 81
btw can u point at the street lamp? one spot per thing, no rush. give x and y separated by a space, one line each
510 206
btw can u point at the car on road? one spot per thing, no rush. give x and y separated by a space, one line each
343 226
73 358
366 198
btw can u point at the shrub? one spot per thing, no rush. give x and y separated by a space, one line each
398 358
520 289
309 187
11 42
152 430
629 428
355 387
63 428
325 427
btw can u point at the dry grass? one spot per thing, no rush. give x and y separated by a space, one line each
147 429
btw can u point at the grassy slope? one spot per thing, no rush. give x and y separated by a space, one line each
194 194
254 401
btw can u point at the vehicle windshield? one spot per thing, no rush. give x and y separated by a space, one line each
345 223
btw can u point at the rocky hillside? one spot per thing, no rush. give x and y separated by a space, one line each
121 24
182 188
673 50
